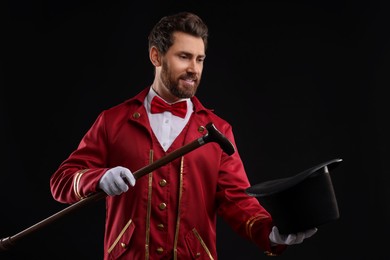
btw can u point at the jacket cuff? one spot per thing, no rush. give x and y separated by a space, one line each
258 229
276 250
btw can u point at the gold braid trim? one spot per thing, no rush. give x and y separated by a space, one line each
149 208
251 221
268 253
76 182
178 209
202 243
119 236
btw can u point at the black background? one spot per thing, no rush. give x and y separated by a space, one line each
301 82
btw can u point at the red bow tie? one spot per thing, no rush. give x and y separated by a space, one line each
178 109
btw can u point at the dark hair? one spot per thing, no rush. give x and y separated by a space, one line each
162 32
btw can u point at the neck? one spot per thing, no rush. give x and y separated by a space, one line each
164 93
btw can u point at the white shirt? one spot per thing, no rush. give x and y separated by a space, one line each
166 127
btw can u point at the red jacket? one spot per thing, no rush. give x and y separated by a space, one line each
171 212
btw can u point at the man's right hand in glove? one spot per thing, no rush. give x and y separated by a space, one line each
116 180
290 239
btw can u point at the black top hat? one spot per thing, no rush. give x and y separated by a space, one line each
300 202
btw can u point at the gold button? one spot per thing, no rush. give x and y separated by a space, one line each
123 245
160 250
201 129
197 255
136 115
163 183
162 205
160 226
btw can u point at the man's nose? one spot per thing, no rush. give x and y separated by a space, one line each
194 66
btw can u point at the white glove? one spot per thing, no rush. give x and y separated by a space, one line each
115 180
290 239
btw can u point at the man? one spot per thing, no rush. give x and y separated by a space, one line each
171 212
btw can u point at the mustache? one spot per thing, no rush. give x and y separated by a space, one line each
189 76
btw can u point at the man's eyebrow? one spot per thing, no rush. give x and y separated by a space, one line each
191 54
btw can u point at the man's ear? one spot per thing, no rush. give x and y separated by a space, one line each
154 56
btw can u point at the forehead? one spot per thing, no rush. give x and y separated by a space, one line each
183 42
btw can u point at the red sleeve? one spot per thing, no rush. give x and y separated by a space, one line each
244 213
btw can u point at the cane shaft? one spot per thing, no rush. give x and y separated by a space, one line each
213 135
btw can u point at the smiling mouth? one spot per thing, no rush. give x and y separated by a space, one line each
189 81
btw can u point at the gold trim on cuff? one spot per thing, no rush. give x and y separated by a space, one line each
76 182
251 221
268 253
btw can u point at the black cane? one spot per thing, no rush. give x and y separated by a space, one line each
212 135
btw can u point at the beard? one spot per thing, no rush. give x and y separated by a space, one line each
177 87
